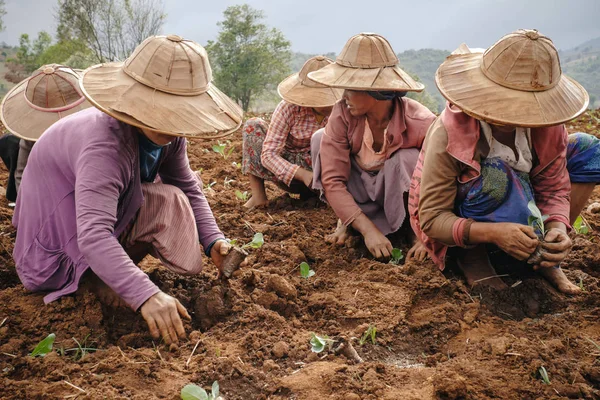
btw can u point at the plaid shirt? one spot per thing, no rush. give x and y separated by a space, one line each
290 131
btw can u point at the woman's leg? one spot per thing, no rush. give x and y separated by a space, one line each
253 135
477 268
580 194
259 194
583 164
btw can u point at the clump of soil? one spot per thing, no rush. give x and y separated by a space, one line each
436 338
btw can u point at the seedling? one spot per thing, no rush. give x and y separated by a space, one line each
195 392
536 219
581 284
81 351
221 149
370 333
581 226
241 195
236 165
544 375
305 270
227 182
319 343
397 256
256 243
44 347
209 186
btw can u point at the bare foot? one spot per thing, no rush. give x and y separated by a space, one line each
256 201
478 270
558 279
340 234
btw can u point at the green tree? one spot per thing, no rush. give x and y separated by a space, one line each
110 29
28 57
2 14
248 57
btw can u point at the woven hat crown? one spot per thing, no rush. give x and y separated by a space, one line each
367 50
53 86
523 60
313 64
170 64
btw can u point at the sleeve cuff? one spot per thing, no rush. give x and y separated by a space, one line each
210 246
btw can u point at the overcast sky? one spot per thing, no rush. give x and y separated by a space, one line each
320 26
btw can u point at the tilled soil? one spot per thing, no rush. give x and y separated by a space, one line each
436 337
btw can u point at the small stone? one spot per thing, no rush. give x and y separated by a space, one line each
280 349
594 208
282 287
270 365
351 396
195 336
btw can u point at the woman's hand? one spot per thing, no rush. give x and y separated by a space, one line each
556 247
305 176
518 241
379 246
163 315
417 252
218 252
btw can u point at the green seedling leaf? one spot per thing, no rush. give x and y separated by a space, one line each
256 243
318 343
241 195
193 392
397 256
229 152
580 226
536 219
215 390
305 270
544 375
44 347
232 242
219 148
371 334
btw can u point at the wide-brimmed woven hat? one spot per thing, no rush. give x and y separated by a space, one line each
164 86
517 82
298 89
49 94
367 62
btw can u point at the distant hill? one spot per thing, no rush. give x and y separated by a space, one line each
582 63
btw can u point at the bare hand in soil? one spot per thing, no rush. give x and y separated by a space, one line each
163 315
305 176
218 252
339 236
519 241
417 252
556 246
378 244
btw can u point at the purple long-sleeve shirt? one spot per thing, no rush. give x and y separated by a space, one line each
80 190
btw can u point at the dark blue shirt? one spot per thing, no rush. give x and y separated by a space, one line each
150 154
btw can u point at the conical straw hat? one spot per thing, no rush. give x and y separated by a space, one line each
49 94
517 82
164 86
367 62
298 89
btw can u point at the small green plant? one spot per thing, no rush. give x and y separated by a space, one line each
305 270
236 165
319 343
195 392
397 256
536 219
209 186
580 284
371 334
580 226
227 182
256 243
544 375
44 347
81 350
221 149
241 195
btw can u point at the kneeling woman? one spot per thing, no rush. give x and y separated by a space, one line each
280 152
365 157
498 150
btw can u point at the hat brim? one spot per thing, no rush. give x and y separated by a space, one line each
384 78
293 91
209 115
26 122
462 82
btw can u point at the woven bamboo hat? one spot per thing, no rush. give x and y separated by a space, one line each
164 86
367 62
517 82
298 89
49 94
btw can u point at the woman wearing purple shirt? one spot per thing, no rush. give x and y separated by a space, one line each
90 205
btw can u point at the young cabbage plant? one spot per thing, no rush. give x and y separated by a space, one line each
536 219
397 256
320 343
305 270
221 149
256 243
195 392
241 195
580 226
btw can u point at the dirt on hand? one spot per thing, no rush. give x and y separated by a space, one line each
435 337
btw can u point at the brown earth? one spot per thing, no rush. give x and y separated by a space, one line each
436 337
